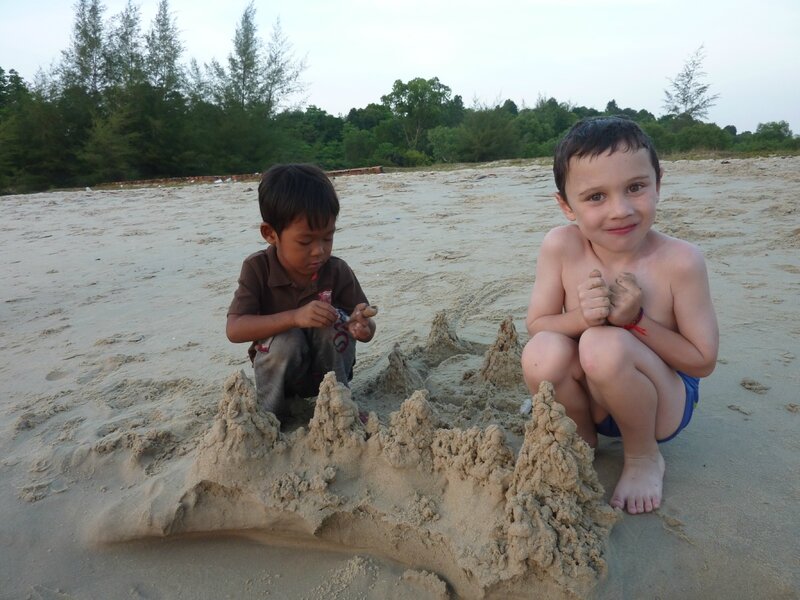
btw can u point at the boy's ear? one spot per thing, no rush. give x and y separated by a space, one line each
565 207
268 233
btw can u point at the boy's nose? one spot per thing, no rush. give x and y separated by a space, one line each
621 207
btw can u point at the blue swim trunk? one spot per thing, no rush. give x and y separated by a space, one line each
608 426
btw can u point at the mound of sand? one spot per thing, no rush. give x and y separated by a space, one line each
402 490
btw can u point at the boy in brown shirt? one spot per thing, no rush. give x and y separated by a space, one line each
302 308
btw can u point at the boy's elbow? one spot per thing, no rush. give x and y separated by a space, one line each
703 370
231 331
705 367
708 366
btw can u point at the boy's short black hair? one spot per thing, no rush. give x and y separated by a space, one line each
596 135
288 191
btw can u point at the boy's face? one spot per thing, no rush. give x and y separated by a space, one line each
612 198
301 250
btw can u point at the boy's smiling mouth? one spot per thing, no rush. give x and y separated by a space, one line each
622 230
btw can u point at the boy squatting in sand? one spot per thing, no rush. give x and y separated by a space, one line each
301 308
620 316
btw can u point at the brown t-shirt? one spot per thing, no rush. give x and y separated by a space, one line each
265 288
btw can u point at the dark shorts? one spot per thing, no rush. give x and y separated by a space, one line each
608 426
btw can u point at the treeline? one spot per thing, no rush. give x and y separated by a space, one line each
120 105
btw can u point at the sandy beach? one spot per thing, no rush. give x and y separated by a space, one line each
135 463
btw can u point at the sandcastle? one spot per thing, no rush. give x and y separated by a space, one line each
457 503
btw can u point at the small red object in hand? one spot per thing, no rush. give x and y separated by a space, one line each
326 296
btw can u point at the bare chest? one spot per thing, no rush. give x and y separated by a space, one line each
652 276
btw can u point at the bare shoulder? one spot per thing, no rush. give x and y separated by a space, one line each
682 257
563 238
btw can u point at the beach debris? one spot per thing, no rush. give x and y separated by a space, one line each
525 407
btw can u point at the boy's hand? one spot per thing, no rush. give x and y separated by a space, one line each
315 314
626 300
358 325
595 301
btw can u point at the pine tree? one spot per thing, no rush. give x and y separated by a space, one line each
688 95
83 64
164 50
124 48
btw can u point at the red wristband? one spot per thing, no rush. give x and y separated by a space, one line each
634 325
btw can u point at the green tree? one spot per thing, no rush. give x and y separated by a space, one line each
14 94
245 63
370 116
163 52
637 115
255 79
539 128
358 145
777 131
420 105
110 151
83 64
688 94
283 71
124 49
705 136
445 143
488 134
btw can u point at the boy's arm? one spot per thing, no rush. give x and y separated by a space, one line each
693 348
250 328
545 310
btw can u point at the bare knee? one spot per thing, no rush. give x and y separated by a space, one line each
603 353
548 356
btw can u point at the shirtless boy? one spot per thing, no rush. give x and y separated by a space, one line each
620 317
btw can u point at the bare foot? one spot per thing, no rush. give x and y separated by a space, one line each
639 486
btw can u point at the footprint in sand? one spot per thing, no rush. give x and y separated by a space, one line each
55 374
754 386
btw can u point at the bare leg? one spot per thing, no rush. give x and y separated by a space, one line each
644 397
553 357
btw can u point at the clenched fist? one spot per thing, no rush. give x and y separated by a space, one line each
595 300
626 300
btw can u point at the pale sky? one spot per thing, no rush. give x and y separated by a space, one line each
580 51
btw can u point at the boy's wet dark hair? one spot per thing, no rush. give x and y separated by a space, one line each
288 191
596 135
